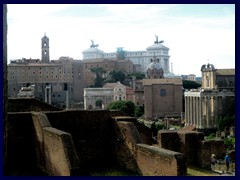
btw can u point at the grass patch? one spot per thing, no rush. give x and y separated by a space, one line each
198 171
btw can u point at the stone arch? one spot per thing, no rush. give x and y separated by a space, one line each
99 104
90 107
98 98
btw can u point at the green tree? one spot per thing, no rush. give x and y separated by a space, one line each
139 111
117 76
156 126
99 80
229 143
126 107
226 121
138 75
190 84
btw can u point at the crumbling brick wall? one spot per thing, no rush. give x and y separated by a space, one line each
169 140
127 137
207 148
29 104
60 154
99 140
56 154
146 159
21 148
92 133
192 145
154 161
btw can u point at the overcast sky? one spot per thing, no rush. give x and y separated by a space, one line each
196 34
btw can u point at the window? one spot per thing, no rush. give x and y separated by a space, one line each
65 87
162 92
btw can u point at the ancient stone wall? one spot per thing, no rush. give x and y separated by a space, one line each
154 161
100 140
169 140
207 148
21 150
56 154
192 145
92 133
148 160
189 145
60 154
29 104
127 136
144 132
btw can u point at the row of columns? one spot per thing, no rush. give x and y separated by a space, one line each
201 111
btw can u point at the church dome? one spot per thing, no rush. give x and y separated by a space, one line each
93 50
157 47
154 65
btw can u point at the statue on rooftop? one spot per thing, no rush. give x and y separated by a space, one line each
93 45
157 42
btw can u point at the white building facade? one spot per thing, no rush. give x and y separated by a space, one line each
141 58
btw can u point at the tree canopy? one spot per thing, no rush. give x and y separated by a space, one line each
138 75
99 80
190 84
116 75
126 107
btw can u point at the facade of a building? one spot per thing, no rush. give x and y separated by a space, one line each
119 91
190 77
59 82
139 58
161 97
215 98
109 65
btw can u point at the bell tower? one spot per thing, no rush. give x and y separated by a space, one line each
208 77
45 49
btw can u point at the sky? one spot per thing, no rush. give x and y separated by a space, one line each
196 34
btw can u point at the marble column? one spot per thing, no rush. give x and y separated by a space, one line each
200 113
197 112
208 111
186 111
191 109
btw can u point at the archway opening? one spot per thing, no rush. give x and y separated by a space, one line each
99 104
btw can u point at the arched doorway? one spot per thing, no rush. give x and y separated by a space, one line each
99 104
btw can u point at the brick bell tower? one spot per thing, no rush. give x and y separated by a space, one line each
45 49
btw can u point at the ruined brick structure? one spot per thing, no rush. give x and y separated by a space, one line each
78 142
192 144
